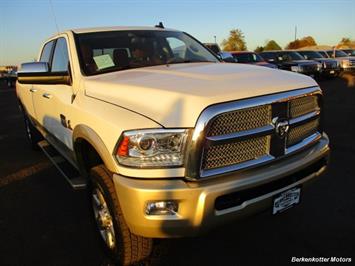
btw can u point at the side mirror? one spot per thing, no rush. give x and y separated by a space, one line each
38 73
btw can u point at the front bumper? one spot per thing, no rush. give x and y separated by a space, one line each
199 202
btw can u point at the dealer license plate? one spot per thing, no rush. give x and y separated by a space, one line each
286 200
331 71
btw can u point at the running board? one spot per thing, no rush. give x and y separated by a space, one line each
70 173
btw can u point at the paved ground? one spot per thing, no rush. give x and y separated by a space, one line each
44 222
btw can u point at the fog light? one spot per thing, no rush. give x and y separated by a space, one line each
162 208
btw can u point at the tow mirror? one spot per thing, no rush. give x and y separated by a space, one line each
38 73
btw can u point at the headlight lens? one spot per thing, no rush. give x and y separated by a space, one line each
295 68
150 148
345 63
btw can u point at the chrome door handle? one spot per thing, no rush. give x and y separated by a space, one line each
47 95
33 90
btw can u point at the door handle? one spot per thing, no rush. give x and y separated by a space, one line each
47 95
33 90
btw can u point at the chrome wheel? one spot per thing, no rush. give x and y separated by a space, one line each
103 218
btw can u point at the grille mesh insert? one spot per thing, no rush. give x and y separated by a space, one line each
299 133
240 120
303 105
237 152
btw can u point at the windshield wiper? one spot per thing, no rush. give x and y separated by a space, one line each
174 61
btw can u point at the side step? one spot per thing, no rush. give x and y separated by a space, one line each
70 173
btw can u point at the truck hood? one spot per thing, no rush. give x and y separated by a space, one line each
175 95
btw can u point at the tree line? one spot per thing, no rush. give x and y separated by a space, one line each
236 42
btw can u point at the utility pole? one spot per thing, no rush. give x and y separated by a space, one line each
295 33
215 40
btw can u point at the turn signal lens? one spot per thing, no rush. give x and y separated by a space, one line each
123 148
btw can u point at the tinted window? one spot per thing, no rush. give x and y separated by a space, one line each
247 58
118 50
46 52
268 56
310 54
60 56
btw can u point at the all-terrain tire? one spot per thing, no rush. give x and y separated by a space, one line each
130 249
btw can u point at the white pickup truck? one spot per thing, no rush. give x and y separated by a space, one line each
168 140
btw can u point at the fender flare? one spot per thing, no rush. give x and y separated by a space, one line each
88 134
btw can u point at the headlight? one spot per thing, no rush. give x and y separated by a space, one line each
319 66
295 68
151 148
344 63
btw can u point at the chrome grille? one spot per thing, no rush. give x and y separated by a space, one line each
236 135
301 132
233 153
303 105
240 120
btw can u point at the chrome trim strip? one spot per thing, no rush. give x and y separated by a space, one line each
235 167
194 153
260 131
304 143
304 118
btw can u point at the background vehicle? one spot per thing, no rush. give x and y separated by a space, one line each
349 52
250 58
225 56
347 63
170 141
292 61
330 67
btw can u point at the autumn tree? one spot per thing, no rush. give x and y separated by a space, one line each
235 41
299 43
345 40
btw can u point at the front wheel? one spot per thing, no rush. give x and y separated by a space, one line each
122 245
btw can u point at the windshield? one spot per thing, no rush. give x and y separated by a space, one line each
291 56
337 53
247 58
311 54
102 52
350 52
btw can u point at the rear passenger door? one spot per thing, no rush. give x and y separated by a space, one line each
51 101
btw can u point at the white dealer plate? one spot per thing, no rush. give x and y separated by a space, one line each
286 200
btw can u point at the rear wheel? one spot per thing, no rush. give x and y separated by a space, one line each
122 245
32 134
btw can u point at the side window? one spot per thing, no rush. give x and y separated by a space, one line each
60 56
46 52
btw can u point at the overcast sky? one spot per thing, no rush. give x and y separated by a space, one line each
25 24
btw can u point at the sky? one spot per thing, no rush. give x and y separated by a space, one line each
25 24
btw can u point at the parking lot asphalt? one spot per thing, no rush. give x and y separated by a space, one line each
44 222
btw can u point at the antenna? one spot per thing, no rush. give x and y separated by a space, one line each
54 17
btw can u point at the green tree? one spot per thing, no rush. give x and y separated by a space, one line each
272 45
235 41
259 49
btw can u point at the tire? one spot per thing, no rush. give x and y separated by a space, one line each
122 246
32 134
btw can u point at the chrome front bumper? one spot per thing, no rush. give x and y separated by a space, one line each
198 211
